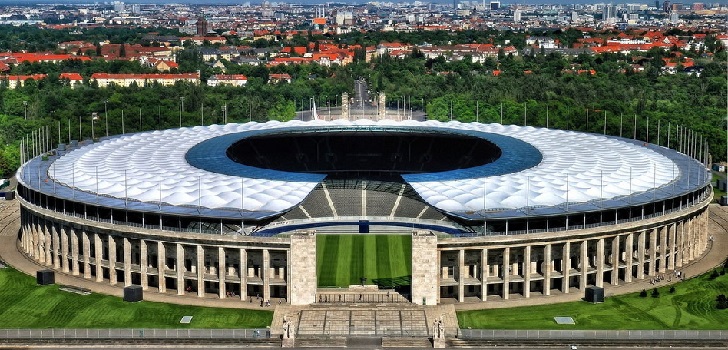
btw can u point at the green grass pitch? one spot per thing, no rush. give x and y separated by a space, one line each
341 260
24 304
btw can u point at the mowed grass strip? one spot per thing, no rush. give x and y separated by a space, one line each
691 307
343 259
24 304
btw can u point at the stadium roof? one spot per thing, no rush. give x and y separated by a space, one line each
539 172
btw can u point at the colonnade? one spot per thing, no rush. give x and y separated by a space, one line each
542 264
246 270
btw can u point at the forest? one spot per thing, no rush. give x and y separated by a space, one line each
535 88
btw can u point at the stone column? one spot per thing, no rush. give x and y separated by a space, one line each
461 275
127 262
289 264
628 257
64 236
691 234
679 252
265 275
673 247
663 249
641 255
143 264
652 269
86 255
527 271
56 247
161 266
599 280
243 272
98 255
484 267
548 266
566 267
180 269
302 276
200 271
615 261
221 272
47 243
112 260
74 251
35 243
584 264
506 272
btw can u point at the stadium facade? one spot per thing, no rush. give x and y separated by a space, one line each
494 211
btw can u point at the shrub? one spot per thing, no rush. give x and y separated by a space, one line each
643 294
672 289
655 293
714 274
722 302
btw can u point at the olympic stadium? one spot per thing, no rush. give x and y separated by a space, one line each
494 211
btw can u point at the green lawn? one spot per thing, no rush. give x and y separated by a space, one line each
24 304
341 260
691 307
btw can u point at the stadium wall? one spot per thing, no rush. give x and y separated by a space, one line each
465 269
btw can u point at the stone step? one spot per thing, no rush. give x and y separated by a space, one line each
406 342
321 342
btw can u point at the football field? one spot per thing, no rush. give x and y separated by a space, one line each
341 260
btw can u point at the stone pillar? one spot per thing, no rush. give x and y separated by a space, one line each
680 253
64 236
692 240
628 257
425 267
265 275
47 243
180 267
221 272
461 275
74 251
56 248
652 269
127 262
344 105
584 264
112 260
566 267
289 263
98 255
673 245
548 266
506 272
382 106
615 261
35 240
599 280
243 272
641 255
302 276
527 271
86 255
200 271
663 249
161 266
143 264
484 267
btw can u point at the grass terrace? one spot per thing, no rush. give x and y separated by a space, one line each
24 304
691 307
341 260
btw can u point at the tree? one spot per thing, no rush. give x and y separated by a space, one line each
282 111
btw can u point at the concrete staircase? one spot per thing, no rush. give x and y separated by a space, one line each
406 342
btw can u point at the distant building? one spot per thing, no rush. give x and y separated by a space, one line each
494 5
667 6
201 26
517 15
698 6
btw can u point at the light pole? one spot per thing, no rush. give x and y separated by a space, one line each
25 110
94 116
181 107
106 117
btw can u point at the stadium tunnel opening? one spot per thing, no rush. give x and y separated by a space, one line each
364 154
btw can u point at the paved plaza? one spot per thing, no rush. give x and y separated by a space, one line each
362 322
